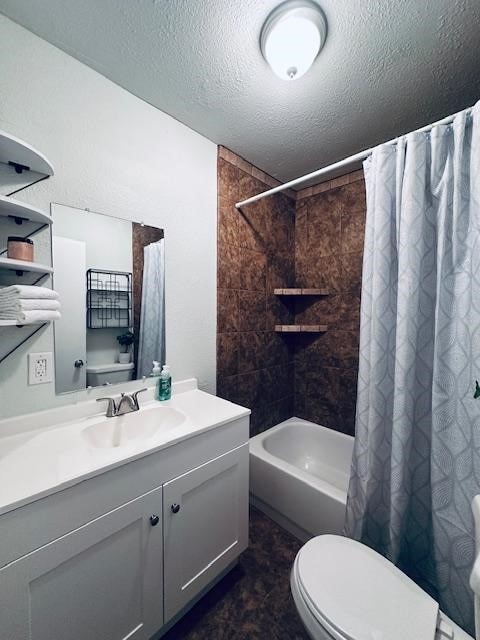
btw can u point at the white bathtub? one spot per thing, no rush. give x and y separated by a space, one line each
299 473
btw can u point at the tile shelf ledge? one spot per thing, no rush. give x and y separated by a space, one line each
301 292
301 328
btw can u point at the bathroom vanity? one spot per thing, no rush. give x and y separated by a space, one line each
110 528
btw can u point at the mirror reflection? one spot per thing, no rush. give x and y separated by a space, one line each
110 275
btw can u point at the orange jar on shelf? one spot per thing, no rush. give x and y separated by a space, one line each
19 248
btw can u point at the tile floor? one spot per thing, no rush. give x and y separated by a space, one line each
253 601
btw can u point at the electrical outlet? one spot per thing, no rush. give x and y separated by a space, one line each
40 367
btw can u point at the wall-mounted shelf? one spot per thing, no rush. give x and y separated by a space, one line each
15 323
116 289
301 328
22 156
109 299
21 266
20 212
301 292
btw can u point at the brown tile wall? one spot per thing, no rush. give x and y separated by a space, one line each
313 241
256 250
329 233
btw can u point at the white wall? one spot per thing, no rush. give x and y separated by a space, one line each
116 154
108 240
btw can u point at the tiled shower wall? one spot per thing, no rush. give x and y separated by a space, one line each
256 251
269 246
329 237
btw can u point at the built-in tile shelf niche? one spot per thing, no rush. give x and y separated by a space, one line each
301 328
21 166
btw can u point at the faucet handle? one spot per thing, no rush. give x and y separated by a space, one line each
111 409
135 394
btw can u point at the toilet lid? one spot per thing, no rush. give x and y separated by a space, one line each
359 595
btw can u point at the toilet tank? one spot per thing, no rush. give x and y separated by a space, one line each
109 373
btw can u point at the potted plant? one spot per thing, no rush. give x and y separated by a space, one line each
125 340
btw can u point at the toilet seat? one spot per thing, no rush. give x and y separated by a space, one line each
356 594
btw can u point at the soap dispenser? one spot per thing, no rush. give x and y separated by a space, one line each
156 371
165 384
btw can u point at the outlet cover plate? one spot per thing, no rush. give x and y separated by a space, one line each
40 367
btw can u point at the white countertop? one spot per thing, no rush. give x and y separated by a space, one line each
35 462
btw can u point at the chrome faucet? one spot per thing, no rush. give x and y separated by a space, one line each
126 404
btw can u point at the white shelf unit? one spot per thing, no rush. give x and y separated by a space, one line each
17 157
20 153
11 208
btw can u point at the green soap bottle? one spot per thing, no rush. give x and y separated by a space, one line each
164 385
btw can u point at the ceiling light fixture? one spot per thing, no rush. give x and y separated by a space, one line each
292 37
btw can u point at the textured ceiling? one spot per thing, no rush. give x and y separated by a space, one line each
388 66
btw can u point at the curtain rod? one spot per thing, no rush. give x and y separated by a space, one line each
357 157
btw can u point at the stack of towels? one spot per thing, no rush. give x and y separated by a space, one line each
28 304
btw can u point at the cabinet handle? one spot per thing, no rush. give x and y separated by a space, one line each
175 508
154 520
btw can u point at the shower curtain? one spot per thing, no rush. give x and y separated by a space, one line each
151 345
416 463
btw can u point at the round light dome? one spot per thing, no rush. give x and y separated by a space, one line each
292 37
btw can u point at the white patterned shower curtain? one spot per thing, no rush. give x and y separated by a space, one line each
151 345
416 463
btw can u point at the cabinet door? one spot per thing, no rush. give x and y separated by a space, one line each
205 525
102 581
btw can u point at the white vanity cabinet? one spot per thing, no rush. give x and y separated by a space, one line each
123 553
103 580
205 526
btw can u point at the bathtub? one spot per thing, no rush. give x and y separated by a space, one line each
299 473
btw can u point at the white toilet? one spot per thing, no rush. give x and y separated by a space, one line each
111 373
343 590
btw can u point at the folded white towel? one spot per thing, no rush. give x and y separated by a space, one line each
27 304
21 291
36 317
12 311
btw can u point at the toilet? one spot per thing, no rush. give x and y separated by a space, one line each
110 373
343 590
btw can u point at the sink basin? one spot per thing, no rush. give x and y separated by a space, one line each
132 427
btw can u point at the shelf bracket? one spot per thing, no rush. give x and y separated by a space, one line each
18 219
36 330
30 184
19 168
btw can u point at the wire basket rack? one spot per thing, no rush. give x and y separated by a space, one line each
109 299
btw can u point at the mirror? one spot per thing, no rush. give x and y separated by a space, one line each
110 275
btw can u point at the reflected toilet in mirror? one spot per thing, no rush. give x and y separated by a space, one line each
110 274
